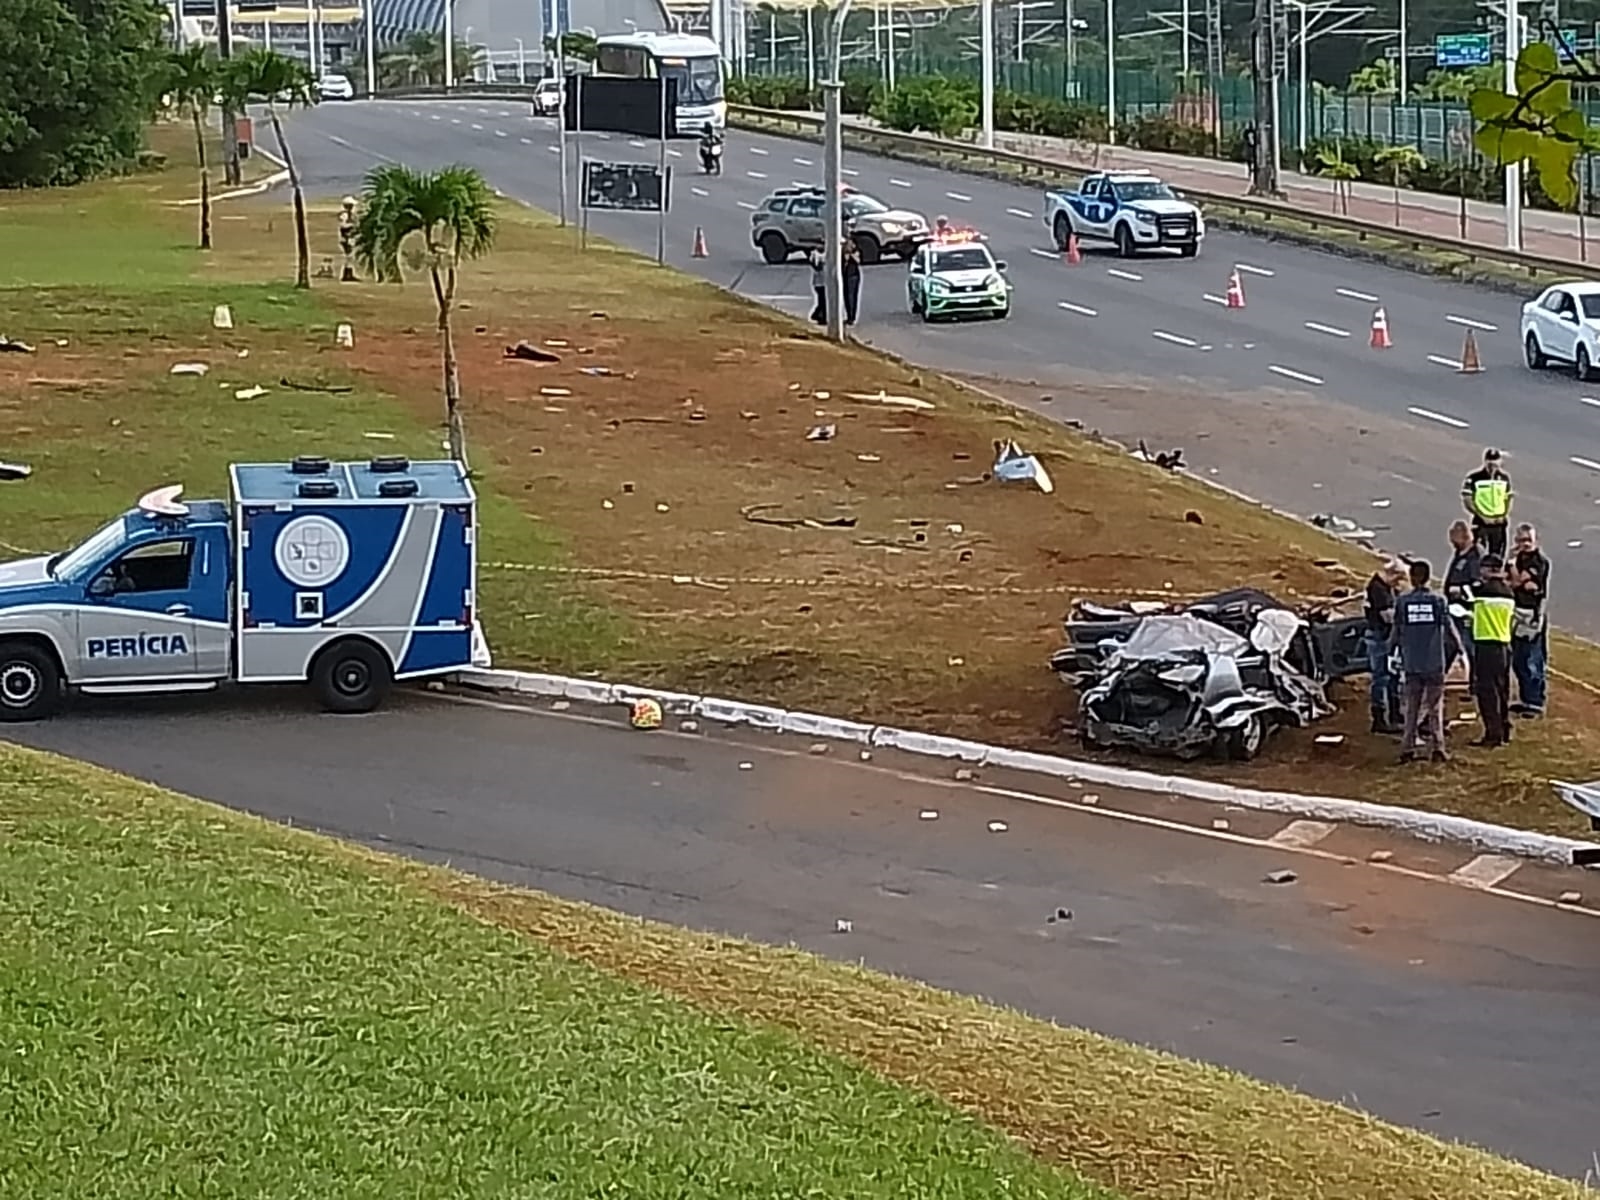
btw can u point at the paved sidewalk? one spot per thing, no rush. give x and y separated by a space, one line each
1553 234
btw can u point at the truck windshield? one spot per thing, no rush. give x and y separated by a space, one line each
91 551
1143 189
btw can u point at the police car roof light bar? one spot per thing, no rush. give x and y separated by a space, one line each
163 502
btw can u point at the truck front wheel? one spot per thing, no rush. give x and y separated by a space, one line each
351 677
31 687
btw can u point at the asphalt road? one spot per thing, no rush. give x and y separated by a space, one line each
1431 1005
1284 400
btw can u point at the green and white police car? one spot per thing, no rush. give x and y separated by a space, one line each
955 276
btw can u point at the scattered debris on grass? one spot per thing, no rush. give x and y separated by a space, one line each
1014 465
528 352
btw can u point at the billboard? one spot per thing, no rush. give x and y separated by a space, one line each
638 107
626 187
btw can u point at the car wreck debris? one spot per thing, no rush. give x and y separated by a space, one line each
1218 676
1014 465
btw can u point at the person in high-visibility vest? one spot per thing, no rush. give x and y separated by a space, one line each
1486 495
1493 609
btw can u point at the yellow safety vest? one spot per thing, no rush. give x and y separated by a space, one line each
1491 498
1491 618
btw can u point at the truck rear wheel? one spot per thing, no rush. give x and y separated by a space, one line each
1063 232
31 687
351 677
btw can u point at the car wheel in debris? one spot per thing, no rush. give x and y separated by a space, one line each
773 248
1533 353
351 677
1245 742
30 683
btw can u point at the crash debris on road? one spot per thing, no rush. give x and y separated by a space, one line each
1217 676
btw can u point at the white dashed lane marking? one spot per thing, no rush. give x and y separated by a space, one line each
1486 871
755 174
698 191
1301 376
1175 339
1214 299
1442 418
1453 363
1590 401
959 196
1588 463
1327 329
529 142
1471 324
804 162
758 150
849 172
1020 212
1050 254
478 128
500 133
746 204
1355 295
1249 270
899 183
675 153
1077 308
1137 278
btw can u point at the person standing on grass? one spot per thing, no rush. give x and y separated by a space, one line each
1529 576
1462 575
1426 638
1385 695
1486 495
819 286
852 280
1492 609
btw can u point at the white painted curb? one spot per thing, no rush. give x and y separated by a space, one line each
1434 827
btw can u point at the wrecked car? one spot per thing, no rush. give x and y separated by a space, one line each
1326 647
1215 677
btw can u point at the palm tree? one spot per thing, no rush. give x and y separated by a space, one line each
267 77
190 85
1400 160
452 212
1333 164
419 60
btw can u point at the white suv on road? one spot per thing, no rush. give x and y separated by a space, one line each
1563 324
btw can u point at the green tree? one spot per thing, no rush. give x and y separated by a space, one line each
1400 160
79 83
579 46
267 77
451 214
1459 84
419 62
192 78
1332 164
1374 79
1540 123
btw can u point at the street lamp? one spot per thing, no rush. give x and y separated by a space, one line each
833 177
1111 71
449 45
986 49
1301 5
522 64
372 56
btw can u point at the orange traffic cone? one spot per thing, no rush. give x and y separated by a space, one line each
699 242
1073 255
1470 364
1380 330
1235 290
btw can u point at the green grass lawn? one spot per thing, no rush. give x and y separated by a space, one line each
195 1003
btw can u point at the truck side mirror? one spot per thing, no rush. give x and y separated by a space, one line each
1000 266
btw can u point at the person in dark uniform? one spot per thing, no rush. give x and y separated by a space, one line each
1492 616
852 280
1460 578
1486 495
1424 634
1385 695
347 239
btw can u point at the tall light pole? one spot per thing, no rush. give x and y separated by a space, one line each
372 54
1185 43
986 50
833 177
1405 71
1304 108
811 51
449 45
1513 211
1111 71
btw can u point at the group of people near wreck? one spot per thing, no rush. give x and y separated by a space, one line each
1490 609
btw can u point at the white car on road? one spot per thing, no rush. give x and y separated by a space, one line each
333 86
1563 325
547 97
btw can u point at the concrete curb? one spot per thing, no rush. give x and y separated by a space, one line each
1434 827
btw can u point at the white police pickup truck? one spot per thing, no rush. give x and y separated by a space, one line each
346 576
1132 209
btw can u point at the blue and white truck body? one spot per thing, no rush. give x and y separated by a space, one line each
346 576
1131 209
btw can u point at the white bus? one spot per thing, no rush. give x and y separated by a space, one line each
695 62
